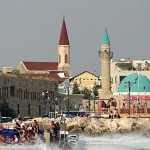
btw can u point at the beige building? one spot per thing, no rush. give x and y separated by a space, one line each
85 80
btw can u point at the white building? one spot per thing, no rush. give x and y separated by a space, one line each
122 68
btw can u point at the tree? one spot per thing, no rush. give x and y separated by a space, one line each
87 93
75 88
95 90
6 111
16 71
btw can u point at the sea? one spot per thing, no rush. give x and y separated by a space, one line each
132 141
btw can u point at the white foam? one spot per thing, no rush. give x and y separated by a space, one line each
104 142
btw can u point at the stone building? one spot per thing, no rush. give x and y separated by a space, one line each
24 95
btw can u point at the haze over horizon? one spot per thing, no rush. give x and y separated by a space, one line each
30 31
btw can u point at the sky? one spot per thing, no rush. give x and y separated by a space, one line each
30 31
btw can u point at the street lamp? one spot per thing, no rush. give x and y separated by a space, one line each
66 84
137 94
89 103
128 85
93 96
46 99
56 106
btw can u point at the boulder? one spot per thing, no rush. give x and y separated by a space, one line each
125 125
145 122
71 125
113 126
94 128
76 129
84 121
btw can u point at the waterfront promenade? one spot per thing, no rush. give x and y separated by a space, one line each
139 115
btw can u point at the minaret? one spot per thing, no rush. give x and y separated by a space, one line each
105 57
64 51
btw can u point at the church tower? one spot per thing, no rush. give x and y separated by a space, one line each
64 51
105 57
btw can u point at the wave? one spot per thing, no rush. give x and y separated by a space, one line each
132 141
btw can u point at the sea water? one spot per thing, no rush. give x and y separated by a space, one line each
116 142
132 141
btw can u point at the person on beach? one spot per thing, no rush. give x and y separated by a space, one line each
115 113
2 139
16 140
111 115
1 128
52 130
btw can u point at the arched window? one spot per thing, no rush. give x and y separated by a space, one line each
12 90
28 109
66 58
59 58
39 110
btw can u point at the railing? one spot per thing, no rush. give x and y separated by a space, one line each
124 111
133 110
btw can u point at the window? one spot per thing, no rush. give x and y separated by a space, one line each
24 95
12 91
59 58
31 96
66 58
112 80
28 109
39 110
18 109
121 78
0 93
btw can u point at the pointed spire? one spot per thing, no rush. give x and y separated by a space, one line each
105 38
63 36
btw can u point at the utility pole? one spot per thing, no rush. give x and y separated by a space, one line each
128 85
66 84
89 103
68 101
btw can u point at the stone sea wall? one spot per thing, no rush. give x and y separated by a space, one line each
94 126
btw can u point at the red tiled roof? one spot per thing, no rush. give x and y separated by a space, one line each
41 65
56 77
63 40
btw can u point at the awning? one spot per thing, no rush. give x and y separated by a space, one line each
137 97
144 98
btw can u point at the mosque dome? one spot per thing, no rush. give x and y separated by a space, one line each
138 82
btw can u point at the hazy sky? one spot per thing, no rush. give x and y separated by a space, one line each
30 30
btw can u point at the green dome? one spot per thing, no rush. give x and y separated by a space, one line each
105 38
142 82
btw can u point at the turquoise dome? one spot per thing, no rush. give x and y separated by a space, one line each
141 82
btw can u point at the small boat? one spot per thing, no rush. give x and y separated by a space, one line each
68 141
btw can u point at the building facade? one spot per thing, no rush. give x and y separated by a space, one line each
62 66
24 95
85 80
122 68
